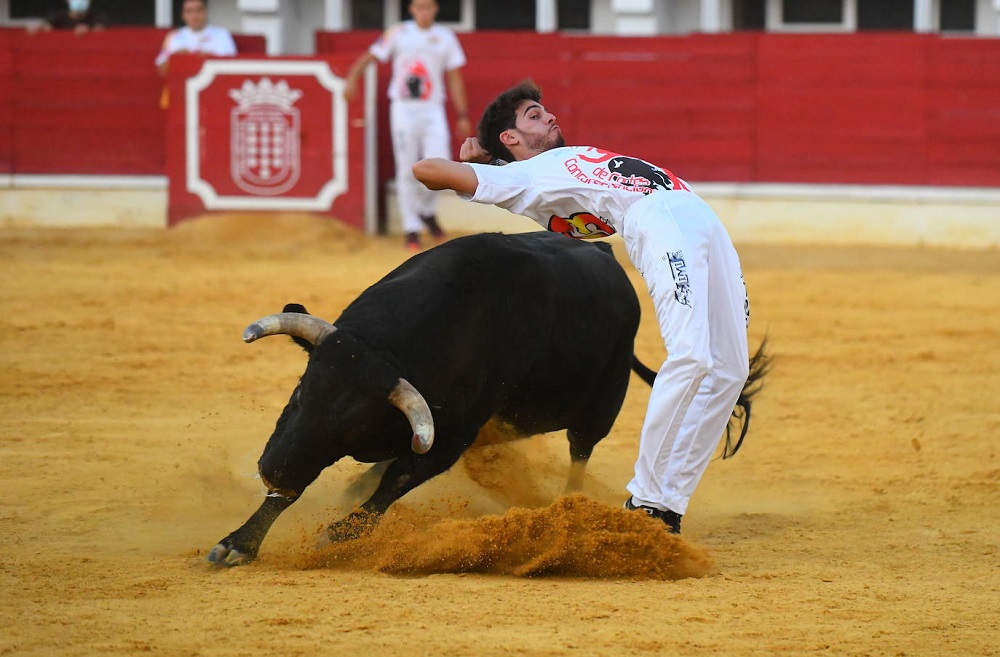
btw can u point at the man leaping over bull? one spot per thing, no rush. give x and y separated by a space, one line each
677 244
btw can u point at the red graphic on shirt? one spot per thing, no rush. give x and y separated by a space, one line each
601 155
580 226
631 172
418 82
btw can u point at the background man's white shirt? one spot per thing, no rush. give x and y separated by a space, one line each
211 40
420 58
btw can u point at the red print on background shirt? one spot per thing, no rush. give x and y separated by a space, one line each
581 226
417 82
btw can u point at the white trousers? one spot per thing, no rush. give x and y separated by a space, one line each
693 273
419 130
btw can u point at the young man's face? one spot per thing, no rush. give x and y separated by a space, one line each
424 12
194 14
536 130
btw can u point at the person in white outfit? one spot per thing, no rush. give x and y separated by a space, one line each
426 57
196 36
675 241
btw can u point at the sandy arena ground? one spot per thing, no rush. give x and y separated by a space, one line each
862 516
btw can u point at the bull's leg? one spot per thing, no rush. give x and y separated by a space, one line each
365 483
241 547
403 475
581 446
597 417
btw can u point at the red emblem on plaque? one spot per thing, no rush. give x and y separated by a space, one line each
266 135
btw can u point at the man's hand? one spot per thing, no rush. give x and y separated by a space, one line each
350 89
357 68
472 151
463 126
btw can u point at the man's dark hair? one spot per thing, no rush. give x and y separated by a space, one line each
501 115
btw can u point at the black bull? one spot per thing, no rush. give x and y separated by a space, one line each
534 330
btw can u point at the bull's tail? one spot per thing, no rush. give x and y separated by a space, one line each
644 372
760 363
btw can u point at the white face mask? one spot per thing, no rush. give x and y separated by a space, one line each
79 6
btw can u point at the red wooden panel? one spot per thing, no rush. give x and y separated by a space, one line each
250 44
679 59
69 149
976 153
6 101
680 153
88 103
123 48
72 93
83 65
964 96
865 59
963 132
964 175
824 175
847 112
872 108
356 41
493 46
688 104
963 61
882 151
850 108
955 123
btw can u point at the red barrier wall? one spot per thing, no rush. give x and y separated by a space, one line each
87 104
848 109
866 108
6 101
84 104
856 108
963 112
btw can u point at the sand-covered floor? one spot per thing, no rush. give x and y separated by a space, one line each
861 517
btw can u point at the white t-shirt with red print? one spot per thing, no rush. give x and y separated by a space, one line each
420 58
580 191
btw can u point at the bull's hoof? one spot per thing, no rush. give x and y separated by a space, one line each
225 554
357 524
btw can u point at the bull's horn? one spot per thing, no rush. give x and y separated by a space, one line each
407 399
299 325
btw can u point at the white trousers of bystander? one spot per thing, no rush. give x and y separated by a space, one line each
419 130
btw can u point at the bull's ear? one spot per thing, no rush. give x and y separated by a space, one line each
298 308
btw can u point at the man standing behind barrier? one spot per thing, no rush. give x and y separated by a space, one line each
197 36
425 56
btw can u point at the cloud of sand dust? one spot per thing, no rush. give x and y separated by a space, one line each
509 470
572 537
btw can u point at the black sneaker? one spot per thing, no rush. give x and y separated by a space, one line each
413 242
432 225
670 518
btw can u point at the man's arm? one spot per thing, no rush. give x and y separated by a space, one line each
163 58
456 88
351 81
437 173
